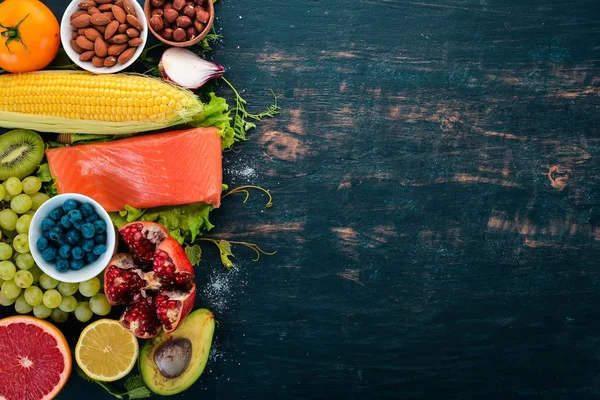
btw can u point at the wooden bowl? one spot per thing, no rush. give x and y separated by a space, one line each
197 39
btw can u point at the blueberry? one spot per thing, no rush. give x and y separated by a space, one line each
56 214
69 205
77 264
73 236
88 245
77 225
64 221
55 232
64 251
42 243
75 216
77 253
90 257
49 253
87 230
87 209
92 217
100 226
99 249
47 223
100 239
62 265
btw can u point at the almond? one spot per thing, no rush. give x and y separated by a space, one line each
92 34
76 47
123 28
87 4
77 14
99 19
132 32
86 56
104 1
100 47
105 7
119 13
128 7
119 3
135 42
93 10
98 61
133 21
84 43
126 55
81 32
83 21
111 29
119 39
74 35
117 49
110 61
101 29
109 14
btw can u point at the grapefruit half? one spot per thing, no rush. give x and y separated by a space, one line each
35 361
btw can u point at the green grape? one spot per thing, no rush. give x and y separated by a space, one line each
34 295
24 261
8 219
30 213
21 203
21 243
52 298
23 279
7 270
37 199
2 192
10 289
32 184
36 272
59 315
22 306
99 304
90 287
23 223
7 301
48 282
68 304
13 186
41 311
68 289
83 312
5 251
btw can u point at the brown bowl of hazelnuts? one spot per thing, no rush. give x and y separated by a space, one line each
179 23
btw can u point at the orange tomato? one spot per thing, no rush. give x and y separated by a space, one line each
29 35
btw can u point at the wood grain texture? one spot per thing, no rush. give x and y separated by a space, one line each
437 218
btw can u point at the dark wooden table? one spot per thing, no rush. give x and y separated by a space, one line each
437 215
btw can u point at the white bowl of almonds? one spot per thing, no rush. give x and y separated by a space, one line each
104 36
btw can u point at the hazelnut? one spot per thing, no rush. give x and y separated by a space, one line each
179 35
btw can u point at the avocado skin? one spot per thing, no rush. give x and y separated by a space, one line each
198 327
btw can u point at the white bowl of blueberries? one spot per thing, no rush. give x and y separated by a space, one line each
71 238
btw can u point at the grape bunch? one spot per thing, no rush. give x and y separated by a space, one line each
22 282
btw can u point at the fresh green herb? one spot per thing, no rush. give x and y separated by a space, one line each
241 125
134 386
244 189
194 253
226 253
150 62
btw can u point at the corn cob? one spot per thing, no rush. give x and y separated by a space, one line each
79 102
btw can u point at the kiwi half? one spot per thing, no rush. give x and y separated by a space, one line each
21 151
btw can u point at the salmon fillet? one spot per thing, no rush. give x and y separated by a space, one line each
154 170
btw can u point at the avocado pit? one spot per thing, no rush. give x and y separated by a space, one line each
173 357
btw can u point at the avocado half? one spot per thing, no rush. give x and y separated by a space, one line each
198 328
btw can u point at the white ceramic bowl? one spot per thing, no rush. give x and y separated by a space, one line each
65 38
89 270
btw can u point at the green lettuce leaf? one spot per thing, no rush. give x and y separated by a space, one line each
185 222
216 113
49 182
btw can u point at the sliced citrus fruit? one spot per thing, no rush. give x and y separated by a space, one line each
36 360
106 351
